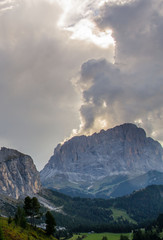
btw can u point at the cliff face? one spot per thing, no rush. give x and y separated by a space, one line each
18 174
123 150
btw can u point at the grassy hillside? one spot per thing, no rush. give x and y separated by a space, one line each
118 213
13 232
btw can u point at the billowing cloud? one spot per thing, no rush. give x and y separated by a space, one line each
131 89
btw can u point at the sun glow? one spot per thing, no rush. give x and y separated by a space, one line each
77 18
86 30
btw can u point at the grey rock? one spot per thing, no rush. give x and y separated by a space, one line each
18 174
82 161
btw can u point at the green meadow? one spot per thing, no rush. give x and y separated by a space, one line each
99 236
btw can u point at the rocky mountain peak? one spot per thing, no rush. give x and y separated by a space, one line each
18 174
122 150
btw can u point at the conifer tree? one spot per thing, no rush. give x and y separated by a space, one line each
32 208
20 217
50 223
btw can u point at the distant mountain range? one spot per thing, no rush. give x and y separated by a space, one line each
107 164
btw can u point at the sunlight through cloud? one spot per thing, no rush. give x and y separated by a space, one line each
77 18
86 30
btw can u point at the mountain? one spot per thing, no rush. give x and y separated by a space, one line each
18 174
90 165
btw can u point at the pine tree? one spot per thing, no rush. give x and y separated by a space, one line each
32 208
20 218
50 223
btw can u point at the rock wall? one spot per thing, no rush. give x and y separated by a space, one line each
18 174
124 149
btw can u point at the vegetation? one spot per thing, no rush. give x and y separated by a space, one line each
147 235
159 222
20 219
14 232
1 233
122 237
99 236
122 214
50 223
84 214
18 228
32 208
119 214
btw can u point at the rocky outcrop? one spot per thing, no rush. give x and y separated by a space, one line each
18 174
123 150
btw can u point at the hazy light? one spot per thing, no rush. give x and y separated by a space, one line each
7 5
138 121
104 104
86 30
101 123
77 19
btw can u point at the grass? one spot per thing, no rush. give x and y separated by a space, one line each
99 236
13 232
117 213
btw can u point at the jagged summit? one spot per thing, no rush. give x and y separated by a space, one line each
84 160
18 174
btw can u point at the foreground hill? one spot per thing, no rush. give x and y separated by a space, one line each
18 174
13 232
97 165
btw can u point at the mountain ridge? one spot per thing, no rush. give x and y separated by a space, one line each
82 160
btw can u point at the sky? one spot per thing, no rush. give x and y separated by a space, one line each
72 67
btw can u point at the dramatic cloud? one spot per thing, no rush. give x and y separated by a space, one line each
131 89
57 71
77 18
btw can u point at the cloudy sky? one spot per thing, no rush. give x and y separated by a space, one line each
76 66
